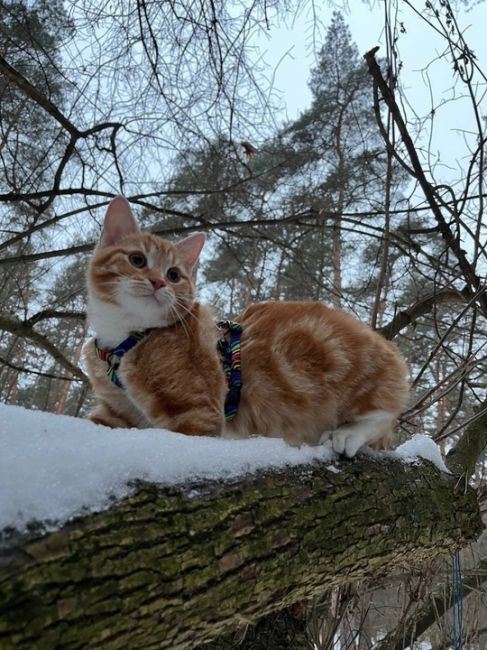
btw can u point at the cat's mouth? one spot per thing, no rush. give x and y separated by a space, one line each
163 298
161 303
154 308
160 295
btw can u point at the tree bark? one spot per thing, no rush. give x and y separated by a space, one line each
471 447
178 567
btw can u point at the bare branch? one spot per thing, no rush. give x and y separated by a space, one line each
25 330
468 270
38 373
421 308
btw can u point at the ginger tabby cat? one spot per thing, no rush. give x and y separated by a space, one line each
309 373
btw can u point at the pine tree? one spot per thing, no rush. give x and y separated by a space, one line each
342 157
291 195
31 35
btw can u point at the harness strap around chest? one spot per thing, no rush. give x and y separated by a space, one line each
230 357
229 353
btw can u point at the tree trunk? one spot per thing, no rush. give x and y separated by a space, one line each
177 567
61 404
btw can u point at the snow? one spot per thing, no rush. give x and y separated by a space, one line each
54 467
420 446
333 469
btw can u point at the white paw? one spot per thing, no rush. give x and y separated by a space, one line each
347 442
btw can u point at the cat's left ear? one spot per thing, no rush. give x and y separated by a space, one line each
190 248
119 222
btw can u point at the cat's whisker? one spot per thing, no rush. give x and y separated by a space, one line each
183 307
181 320
187 310
183 324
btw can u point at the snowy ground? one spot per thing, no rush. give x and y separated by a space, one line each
53 467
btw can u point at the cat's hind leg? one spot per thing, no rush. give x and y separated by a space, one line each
366 429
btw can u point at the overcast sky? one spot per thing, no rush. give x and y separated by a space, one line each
421 51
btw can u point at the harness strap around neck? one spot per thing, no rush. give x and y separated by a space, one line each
114 356
229 352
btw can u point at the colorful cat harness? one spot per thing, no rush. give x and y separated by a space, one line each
230 357
114 356
229 353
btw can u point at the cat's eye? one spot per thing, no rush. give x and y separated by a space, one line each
173 274
138 259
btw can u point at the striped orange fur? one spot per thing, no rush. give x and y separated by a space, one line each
310 373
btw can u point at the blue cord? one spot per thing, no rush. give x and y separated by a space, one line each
457 595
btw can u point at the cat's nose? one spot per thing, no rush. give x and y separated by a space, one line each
157 283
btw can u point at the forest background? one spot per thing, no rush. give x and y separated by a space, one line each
174 105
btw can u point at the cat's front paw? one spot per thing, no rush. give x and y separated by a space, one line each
346 442
343 441
330 440
340 441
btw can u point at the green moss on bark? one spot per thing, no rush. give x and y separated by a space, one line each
164 569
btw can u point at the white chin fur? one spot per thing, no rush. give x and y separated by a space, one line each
113 323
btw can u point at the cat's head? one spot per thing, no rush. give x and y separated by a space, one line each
137 280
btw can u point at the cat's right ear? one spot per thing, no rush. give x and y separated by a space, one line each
119 222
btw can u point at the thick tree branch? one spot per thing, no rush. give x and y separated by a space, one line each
175 567
461 460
